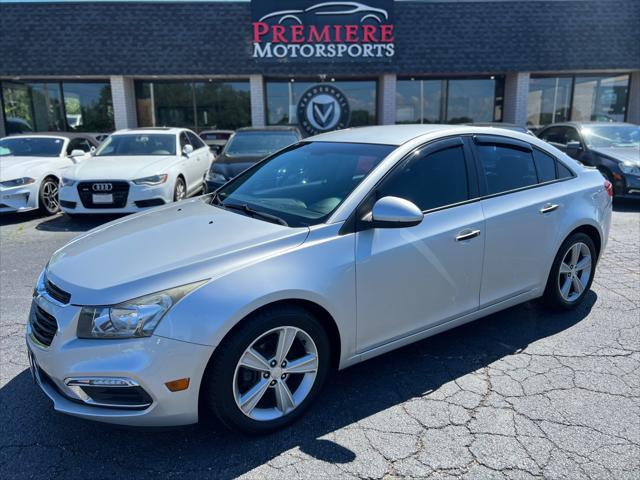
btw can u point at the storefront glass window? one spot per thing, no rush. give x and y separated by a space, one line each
600 99
195 105
283 96
549 100
88 106
449 100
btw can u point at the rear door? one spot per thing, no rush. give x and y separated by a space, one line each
522 207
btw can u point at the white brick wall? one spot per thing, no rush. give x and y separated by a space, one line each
257 101
633 115
124 102
516 98
387 99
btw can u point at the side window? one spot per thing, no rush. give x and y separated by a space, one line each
571 135
78 144
184 141
564 172
195 141
545 165
430 181
507 168
554 135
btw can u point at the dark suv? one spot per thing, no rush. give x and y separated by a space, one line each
245 148
613 148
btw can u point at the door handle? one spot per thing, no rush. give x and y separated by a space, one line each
549 207
467 235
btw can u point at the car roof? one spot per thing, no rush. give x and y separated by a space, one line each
217 131
150 130
381 134
271 128
68 135
585 124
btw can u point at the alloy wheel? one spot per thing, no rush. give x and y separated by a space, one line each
575 272
49 196
275 373
181 191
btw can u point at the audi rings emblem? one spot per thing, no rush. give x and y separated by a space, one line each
102 187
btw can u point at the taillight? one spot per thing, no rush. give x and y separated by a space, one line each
608 187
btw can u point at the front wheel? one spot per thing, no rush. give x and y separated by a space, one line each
572 272
266 373
180 190
48 201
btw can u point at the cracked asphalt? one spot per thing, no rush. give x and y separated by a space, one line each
520 394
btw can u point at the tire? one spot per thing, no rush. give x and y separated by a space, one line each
180 190
563 293
226 382
48 201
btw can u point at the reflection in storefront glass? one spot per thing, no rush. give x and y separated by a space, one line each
196 105
549 100
32 107
88 106
600 99
463 100
283 96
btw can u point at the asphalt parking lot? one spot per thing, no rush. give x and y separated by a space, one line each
520 394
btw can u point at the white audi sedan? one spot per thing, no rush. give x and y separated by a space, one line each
334 250
136 169
31 166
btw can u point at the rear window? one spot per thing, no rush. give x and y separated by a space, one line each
259 143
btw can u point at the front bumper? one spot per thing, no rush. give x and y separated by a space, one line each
19 199
630 188
147 362
138 198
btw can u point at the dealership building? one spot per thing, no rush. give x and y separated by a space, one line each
97 66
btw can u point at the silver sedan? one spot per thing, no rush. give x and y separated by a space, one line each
334 250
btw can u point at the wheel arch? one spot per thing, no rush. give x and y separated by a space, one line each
592 232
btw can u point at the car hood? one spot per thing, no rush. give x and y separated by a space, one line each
163 248
120 167
17 167
630 155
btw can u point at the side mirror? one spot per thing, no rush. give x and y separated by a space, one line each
77 153
187 150
394 212
574 148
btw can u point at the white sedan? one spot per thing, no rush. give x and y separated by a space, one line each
137 169
31 166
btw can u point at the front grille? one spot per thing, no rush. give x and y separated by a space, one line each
56 292
43 325
119 190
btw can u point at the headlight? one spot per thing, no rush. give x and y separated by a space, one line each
16 182
216 177
68 182
135 318
152 180
630 169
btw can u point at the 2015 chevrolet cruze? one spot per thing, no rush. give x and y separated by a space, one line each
331 251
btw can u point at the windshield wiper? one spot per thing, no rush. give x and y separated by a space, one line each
254 213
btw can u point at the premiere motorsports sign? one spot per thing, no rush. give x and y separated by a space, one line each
304 30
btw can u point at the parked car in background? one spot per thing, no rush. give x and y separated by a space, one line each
508 126
246 147
613 148
100 137
216 139
31 167
17 125
137 169
332 251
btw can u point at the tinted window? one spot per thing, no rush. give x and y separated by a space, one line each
259 143
430 181
195 141
79 144
553 135
545 165
564 172
506 168
306 182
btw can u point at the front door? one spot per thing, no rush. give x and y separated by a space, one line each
410 279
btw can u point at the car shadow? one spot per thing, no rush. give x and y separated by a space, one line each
82 223
7 219
626 205
60 443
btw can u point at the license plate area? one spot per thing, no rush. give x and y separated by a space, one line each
102 198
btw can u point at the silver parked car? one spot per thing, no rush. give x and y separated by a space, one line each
331 251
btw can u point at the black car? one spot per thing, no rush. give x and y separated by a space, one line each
613 148
246 147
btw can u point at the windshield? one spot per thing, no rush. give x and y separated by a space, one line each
304 184
132 144
607 136
259 143
31 147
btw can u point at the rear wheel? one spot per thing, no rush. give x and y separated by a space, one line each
180 190
572 272
48 196
265 374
